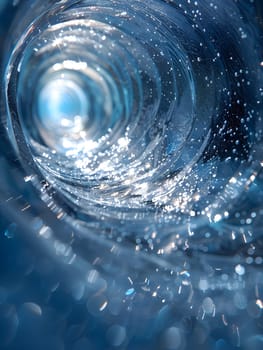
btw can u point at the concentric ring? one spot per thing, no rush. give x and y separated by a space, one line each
141 117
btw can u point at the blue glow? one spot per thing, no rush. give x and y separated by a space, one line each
63 104
137 174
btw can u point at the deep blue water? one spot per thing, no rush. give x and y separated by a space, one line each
131 175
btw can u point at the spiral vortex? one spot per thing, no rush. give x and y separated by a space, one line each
142 117
131 198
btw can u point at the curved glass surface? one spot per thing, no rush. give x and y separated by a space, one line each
131 176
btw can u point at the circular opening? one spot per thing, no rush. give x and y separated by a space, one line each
62 108
139 123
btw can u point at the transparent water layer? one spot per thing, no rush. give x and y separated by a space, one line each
135 175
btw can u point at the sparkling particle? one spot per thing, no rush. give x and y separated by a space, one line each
240 270
259 303
217 217
139 130
122 140
129 292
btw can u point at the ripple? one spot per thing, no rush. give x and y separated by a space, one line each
145 121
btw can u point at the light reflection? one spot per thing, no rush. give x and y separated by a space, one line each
162 180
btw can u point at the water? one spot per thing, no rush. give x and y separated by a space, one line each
138 132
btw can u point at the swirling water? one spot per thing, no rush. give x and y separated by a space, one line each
139 124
